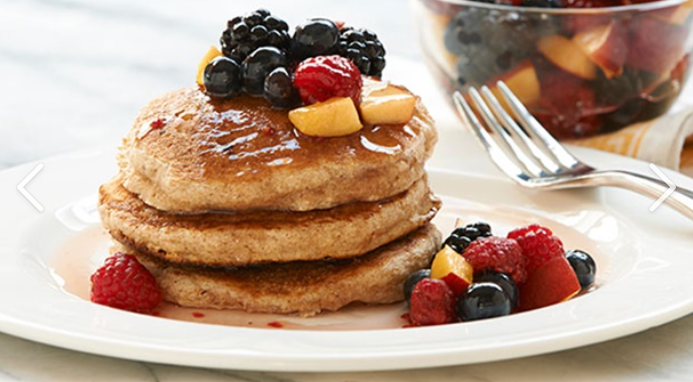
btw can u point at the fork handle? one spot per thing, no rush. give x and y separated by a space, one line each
681 199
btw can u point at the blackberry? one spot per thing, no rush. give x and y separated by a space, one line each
363 48
457 243
461 237
243 35
473 231
483 227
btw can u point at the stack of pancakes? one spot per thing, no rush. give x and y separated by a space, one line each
230 207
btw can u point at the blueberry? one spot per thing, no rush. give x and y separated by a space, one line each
483 300
458 243
503 280
314 38
222 78
584 266
280 90
414 279
489 42
258 65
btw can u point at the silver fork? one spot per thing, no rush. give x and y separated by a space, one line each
533 158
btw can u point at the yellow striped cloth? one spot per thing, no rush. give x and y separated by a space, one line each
666 141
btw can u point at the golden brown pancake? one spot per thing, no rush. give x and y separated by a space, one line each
233 239
241 154
303 287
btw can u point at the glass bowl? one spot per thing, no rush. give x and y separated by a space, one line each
581 72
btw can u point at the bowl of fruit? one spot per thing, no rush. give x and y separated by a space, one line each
582 67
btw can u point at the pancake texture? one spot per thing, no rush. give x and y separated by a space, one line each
241 154
303 288
233 239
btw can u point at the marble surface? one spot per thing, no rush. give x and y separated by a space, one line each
73 75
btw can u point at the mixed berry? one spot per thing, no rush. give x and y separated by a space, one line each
321 78
491 276
123 283
321 59
579 74
245 34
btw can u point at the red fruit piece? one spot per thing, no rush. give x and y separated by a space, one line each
568 108
499 254
655 46
432 303
321 78
123 283
538 244
553 282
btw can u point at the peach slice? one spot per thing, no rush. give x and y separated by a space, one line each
452 268
390 105
564 53
333 118
606 46
523 82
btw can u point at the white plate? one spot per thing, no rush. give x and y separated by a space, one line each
644 259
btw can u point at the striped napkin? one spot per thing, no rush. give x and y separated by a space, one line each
666 141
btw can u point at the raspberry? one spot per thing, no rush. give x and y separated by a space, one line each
321 78
432 303
123 283
499 254
538 244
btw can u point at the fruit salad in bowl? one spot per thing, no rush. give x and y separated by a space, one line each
582 67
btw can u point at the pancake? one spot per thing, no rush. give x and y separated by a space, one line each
232 239
303 288
241 154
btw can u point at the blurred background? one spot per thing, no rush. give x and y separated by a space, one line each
74 73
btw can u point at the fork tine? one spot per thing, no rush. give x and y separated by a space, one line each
536 131
549 165
498 130
499 158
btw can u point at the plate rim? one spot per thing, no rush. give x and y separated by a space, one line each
53 336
